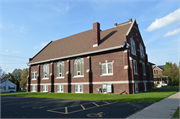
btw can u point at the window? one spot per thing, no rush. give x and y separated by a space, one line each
135 66
60 88
60 69
45 88
34 75
34 88
144 86
79 67
136 87
106 68
11 87
45 71
155 71
144 70
141 51
109 88
133 47
78 88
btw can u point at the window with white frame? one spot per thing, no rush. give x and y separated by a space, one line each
135 67
136 87
34 75
144 69
133 47
155 71
79 67
141 51
78 88
45 71
60 88
60 69
34 88
107 68
145 87
45 88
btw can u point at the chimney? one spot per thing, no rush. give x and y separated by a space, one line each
130 20
115 24
96 34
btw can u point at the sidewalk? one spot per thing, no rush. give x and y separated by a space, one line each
162 109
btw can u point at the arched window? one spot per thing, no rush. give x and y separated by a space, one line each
45 71
141 50
133 47
60 69
79 67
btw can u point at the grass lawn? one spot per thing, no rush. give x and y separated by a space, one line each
149 96
176 114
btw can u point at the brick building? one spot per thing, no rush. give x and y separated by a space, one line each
159 78
94 61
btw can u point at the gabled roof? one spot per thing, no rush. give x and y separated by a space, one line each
161 67
82 43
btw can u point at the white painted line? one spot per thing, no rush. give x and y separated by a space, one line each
66 111
83 107
95 104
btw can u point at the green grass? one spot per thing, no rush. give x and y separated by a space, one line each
149 96
176 114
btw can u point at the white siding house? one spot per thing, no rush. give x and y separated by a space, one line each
7 86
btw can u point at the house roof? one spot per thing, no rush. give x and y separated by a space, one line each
161 67
82 43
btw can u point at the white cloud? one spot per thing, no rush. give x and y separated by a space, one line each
165 21
43 44
61 7
5 52
170 33
16 28
15 51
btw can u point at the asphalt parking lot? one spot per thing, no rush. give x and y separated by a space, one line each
28 107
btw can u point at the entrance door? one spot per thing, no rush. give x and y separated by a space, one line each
103 88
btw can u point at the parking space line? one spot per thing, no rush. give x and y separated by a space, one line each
106 102
52 110
66 111
95 104
82 107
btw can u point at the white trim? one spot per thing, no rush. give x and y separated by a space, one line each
95 45
45 84
87 83
85 53
126 67
130 27
81 76
106 75
45 78
59 78
34 84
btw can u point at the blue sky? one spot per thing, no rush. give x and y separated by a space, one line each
26 26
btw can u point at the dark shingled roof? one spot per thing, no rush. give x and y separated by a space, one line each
161 67
82 42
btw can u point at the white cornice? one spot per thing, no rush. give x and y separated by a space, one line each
85 53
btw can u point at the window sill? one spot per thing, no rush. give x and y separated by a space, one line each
33 79
59 92
78 76
59 77
33 91
45 91
78 92
45 78
107 75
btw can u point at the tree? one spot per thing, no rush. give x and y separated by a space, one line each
10 77
17 84
2 73
24 75
172 71
17 74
